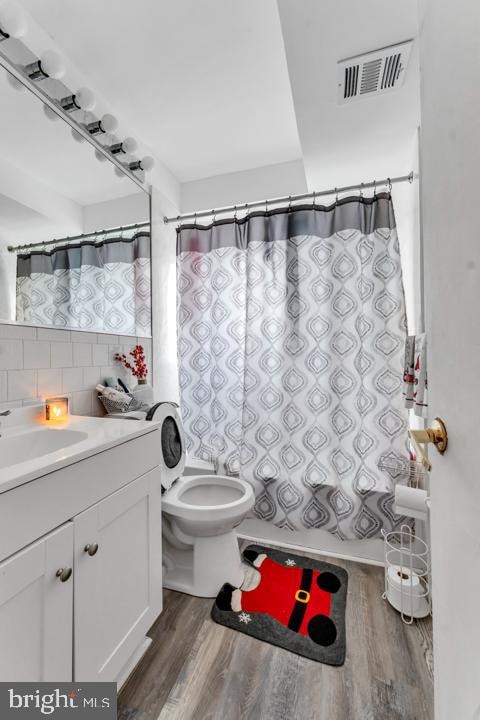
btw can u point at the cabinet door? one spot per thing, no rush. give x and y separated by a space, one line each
36 608
118 585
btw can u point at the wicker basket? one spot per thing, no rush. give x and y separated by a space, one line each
120 406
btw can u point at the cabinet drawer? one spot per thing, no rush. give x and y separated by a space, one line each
31 510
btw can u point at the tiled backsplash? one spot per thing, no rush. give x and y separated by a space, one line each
36 363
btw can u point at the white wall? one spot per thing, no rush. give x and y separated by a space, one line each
126 210
450 162
236 188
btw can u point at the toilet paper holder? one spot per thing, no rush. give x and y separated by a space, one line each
436 434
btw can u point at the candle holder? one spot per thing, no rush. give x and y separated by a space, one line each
56 409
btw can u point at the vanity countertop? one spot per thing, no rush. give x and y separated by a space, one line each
30 447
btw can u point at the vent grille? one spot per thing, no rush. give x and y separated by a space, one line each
373 73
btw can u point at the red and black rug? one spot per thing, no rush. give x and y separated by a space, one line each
299 604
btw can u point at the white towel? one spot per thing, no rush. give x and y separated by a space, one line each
415 381
420 393
408 371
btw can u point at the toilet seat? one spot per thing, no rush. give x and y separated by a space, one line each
216 497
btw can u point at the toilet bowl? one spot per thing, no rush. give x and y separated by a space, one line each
200 513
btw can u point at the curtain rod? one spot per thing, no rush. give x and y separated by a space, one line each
70 238
292 198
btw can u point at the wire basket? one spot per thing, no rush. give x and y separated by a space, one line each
126 404
407 574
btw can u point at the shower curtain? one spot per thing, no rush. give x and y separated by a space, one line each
99 286
291 330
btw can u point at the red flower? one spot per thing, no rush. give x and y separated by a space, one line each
139 368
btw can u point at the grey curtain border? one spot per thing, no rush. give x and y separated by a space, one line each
366 214
87 252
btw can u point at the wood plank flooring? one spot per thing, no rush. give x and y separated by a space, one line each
195 668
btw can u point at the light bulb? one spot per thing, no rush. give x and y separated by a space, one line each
83 99
49 113
52 64
100 156
129 145
109 123
147 163
13 22
77 136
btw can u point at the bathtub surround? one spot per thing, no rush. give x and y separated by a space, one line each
291 342
36 363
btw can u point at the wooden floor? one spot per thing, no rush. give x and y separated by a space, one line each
195 668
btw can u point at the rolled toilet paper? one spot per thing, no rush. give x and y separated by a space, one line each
406 592
411 502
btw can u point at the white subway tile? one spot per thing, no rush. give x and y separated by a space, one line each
82 355
72 379
91 377
18 332
36 354
53 335
11 355
21 384
99 355
106 339
49 383
81 403
61 355
83 337
3 385
130 340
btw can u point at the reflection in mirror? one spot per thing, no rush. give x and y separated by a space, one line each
74 235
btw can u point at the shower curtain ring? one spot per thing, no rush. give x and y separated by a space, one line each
266 207
336 195
289 202
234 212
361 190
374 188
313 200
389 185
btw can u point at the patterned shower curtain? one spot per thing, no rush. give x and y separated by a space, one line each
291 331
99 286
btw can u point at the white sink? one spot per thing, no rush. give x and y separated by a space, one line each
35 443
30 447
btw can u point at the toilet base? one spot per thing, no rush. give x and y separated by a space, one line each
203 569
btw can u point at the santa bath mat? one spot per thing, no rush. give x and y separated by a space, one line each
299 604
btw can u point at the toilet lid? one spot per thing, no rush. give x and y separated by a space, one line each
172 462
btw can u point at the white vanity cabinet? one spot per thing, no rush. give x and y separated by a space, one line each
118 577
36 609
81 566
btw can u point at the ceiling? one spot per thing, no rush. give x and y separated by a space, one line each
205 84
222 86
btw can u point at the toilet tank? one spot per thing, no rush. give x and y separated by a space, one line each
195 466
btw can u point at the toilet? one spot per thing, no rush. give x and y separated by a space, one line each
200 511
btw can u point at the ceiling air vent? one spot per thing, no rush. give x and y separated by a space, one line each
373 73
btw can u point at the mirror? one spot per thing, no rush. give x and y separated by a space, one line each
53 187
